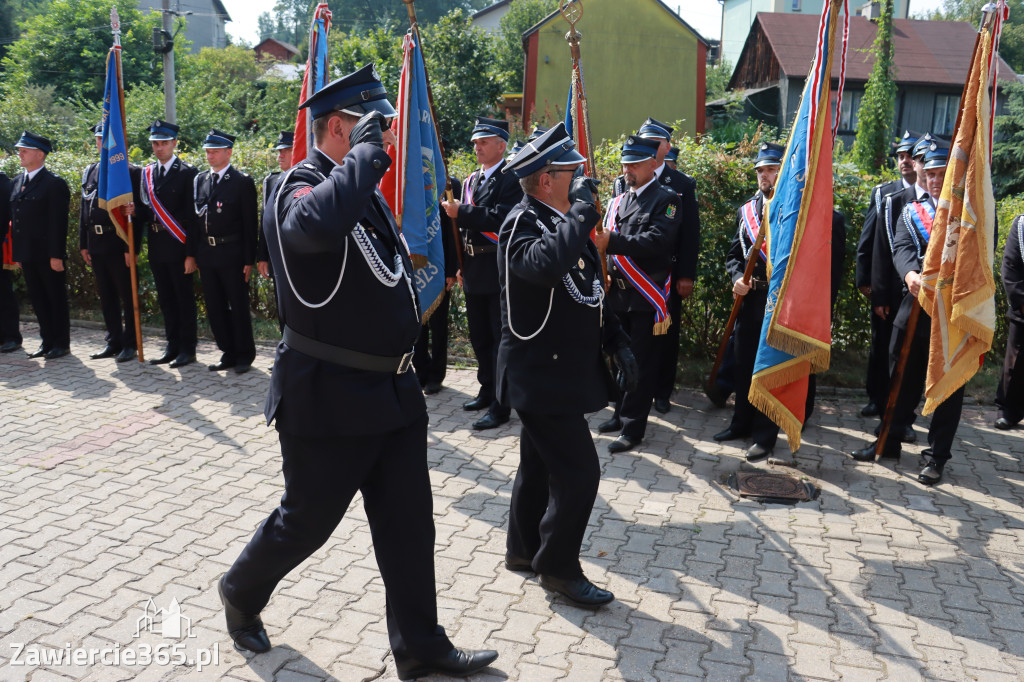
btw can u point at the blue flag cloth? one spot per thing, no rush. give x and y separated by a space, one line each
420 175
115 184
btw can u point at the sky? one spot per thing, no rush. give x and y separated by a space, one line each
703 15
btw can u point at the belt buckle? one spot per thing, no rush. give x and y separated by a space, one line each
469 249
98 229
405 363
212 241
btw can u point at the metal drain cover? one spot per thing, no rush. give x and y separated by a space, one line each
771 487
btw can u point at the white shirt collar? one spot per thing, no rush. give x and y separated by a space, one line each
326 156
919 191
660 169
639 190
167 166
32 174
221 172
906 185
562 215
488 172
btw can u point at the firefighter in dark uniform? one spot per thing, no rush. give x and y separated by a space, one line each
430 359
39 233
349 414
550 366
10 325
910 242
283 147
672 157
747 420
644 227
881 325
168 190
488 195
228 218
1010 394
684 268
107 254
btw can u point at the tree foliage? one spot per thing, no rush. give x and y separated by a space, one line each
875 119
508 48
1011 45
66 47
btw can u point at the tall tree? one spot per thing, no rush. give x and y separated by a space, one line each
875 119
521 15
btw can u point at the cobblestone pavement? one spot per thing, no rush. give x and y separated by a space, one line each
121 483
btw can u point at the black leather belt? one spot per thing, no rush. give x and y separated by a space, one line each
344 356
476 250
102 229
217 241
759 284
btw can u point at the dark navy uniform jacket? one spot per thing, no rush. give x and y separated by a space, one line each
866 243
735 260
907 256
1013 271
175 192
5 205
886 282
317 229
90 215
39 217
648 233
560 369
269 187
492 200
228 210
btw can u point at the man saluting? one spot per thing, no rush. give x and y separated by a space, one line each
350 416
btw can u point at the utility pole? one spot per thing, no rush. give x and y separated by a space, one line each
170 98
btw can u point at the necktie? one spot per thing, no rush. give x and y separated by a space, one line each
627 201
478 180
216 179
161 173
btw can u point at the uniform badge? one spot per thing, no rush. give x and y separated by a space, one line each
670 212
301 192
582 264
219 205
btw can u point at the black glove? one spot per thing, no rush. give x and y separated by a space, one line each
629 371
583 189
369 129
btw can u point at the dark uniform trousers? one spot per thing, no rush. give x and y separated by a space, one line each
321 477
10 329
945 419
548 519
1010 394
430 357
483 318
668 349
114 283
177 299
747 335
227 306
634 407
344 429
878 359
47 289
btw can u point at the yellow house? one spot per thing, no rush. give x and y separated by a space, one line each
640 59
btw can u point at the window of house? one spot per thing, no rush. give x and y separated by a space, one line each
849 110
796 5
944 116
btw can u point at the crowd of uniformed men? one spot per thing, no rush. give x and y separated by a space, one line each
563 319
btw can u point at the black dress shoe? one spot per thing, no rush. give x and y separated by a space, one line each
662 405
183 359
931 473
489 421
55 353
222 365
432 388
730 434
623 444
870 410
716 394
455 663
476 403
242 369
10 346
1003 424
108 351
579 591
127 353
168 356
246 630
865 454
757 452
518 564
909 435
611 426
39 352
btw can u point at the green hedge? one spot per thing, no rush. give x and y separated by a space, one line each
725 180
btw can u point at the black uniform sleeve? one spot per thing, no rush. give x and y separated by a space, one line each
838 252
904 249
881 254
866 243
58 204
83 213
191 223
316 219
141 217
689 232
262 253
1013 268
659 236
735 263
6 187
543 257
490 218
250 219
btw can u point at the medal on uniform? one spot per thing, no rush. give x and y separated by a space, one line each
581 264
219 204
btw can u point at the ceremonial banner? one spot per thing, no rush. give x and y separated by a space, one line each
796 335
957 286
313 79
413 183
115 184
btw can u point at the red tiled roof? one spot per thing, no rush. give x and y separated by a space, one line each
927 52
